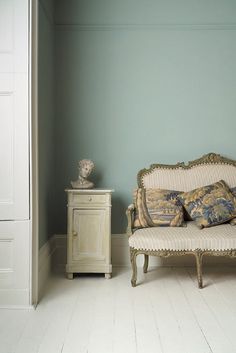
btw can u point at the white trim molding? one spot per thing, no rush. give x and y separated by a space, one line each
52 258
45 264
33 109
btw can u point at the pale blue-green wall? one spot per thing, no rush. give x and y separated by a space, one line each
46 123
139 82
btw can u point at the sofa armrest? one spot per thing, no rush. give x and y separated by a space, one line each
130 218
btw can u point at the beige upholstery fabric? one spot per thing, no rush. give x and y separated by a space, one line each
188 179
221 237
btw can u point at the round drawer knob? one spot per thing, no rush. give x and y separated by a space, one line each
74 234
90 198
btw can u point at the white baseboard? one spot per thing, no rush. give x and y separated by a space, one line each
52 257
120 255
45 263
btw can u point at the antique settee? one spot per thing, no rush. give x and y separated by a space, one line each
219 240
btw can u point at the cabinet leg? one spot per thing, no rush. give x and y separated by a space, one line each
107 275
70 275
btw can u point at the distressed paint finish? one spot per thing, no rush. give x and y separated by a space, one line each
89 232
210 158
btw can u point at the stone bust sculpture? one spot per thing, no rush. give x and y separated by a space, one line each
85 168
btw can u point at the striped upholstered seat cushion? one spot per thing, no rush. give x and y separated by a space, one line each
221 237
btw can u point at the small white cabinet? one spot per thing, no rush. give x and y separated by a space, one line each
89 232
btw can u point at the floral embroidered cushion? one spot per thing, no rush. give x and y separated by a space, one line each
157 207
210 205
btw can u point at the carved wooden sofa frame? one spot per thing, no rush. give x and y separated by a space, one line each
209 159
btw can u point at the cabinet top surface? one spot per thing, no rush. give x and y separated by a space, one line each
89 191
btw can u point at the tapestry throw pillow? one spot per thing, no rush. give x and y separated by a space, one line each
233 221
210 205
157 207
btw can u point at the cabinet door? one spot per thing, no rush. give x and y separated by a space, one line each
14 136
89 235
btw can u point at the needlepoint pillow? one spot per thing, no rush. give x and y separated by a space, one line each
157 207
210 205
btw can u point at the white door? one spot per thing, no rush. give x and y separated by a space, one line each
14 264
14 136
15 231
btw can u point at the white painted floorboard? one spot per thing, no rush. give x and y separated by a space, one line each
165 313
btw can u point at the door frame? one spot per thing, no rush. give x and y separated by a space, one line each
33 118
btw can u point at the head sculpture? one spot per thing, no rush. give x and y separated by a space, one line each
85 167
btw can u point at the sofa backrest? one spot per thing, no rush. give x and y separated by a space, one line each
184 177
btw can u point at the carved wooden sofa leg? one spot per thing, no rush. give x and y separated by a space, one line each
133 256
198 254
145 266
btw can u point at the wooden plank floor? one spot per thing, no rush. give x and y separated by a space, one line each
165 313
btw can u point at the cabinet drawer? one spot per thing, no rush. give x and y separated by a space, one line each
89 199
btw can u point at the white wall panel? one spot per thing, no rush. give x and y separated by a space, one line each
14 263
14 124
21 29
14 154
6 25
14 147
6 154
